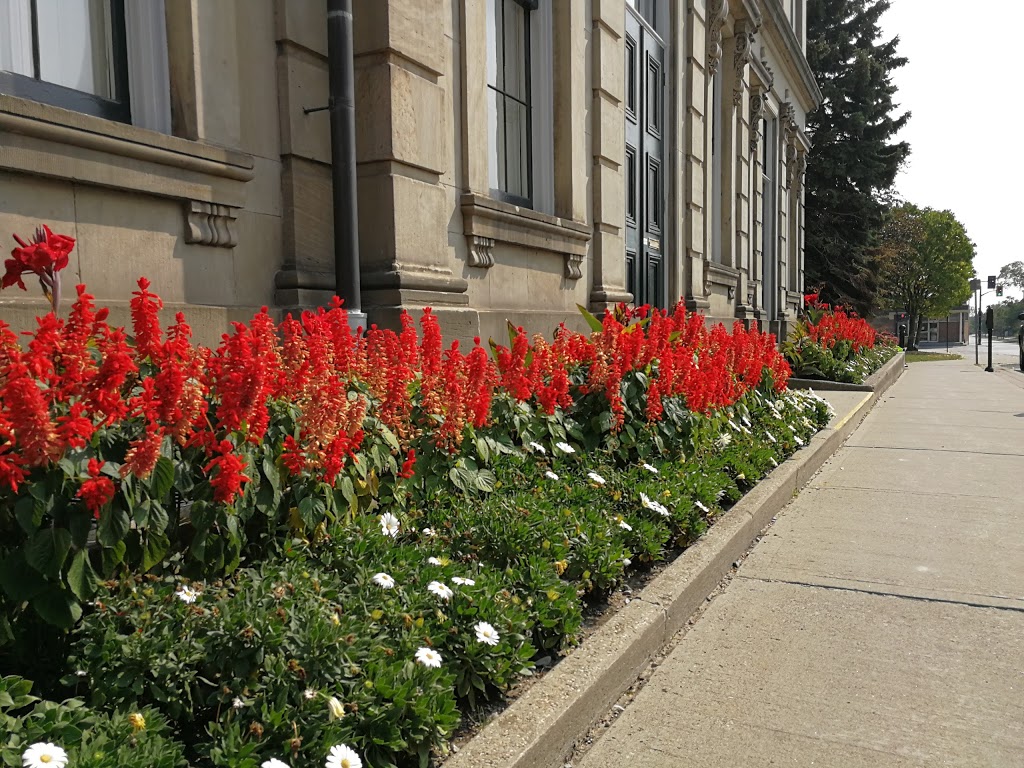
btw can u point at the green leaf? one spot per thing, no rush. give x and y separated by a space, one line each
113 526
81 577
485 480
593 322
17 580
162 478
113 556
28 514
158 518
272 473
48 549
57 607
155 548
483 449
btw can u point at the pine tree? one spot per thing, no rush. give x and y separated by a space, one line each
853 161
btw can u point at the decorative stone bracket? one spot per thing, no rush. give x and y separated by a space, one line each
210 224
742 55
718 11
487 221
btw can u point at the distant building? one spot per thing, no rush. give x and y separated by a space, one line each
515 157
954 327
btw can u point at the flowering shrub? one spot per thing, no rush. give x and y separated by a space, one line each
308 543
829 343
107 447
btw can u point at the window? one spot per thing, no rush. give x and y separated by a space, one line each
717 118
510 102
69 53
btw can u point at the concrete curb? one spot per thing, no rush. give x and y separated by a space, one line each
872 383
540 728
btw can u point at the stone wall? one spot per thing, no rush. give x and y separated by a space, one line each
230 208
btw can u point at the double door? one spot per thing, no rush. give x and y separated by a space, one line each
644 162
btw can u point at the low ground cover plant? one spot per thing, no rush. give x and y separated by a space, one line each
309 546
831 344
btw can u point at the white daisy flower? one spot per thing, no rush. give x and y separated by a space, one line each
343 756
186 594
626 562
700 505
237 703
596 478
797 440
434 561
273 763
485 633
723 440
427 531
389 524
654 506
625 526
384 580
463 582
650 468
550 475
565 447
428 657
309 694
441 590
538 447
44 755
334 709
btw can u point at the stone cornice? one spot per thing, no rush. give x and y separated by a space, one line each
791 54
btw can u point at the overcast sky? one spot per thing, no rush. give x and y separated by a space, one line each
965 133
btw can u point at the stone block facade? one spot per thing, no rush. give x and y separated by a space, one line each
648 152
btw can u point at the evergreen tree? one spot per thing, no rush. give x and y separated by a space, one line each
853 162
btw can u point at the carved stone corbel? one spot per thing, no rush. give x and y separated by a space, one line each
799 170
718 11
481 251
758 99
743 54
573 266
210 224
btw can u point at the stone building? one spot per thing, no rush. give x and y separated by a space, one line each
515 157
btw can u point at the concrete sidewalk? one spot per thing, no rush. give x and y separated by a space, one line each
881 620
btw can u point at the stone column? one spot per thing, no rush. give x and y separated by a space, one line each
701 54
608 245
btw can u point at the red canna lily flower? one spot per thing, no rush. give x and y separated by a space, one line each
45 256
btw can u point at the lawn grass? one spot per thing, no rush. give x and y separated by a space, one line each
930 357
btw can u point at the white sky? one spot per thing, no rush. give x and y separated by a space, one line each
961 86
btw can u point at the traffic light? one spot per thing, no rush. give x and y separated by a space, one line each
991 281
999 290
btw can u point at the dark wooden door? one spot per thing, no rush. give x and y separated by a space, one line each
644 162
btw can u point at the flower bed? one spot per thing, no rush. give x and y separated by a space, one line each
830 344
310 546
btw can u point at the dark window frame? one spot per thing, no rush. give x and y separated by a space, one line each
33 88
527 5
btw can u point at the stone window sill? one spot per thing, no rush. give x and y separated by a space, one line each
44 140
487 221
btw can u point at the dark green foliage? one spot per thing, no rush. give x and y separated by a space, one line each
854 159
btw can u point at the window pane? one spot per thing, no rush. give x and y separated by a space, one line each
515 147
515 50
75 45
493 46
493 138
16 37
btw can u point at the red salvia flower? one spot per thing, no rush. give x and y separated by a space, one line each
98 490
228 473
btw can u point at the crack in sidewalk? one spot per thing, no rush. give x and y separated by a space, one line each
880 593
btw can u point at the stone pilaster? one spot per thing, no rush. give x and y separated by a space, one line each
695 153
608 75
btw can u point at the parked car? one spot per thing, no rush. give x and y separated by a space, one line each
1020 339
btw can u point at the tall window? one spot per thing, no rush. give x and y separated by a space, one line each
510 99
717 166
70 53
